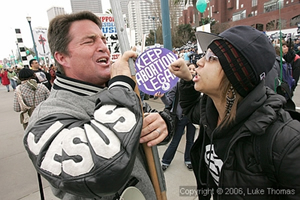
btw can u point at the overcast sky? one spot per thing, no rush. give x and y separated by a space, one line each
13 15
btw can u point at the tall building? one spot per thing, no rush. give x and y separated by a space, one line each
138 12
143 16
54 11
94 6
124 7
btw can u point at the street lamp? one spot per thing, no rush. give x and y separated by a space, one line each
18 51
153 18
34 46
13 61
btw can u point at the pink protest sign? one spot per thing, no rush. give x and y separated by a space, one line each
152 72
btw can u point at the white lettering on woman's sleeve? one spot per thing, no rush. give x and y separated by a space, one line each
35 147
108 114
100 147
79 148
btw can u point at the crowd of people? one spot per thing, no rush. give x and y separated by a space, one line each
8 77
88 128
31 86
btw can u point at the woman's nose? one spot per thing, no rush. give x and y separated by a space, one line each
200 62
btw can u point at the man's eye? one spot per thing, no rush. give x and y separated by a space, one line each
88 41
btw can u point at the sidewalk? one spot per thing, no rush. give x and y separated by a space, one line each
18 179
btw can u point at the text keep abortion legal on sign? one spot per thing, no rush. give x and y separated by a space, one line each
152 72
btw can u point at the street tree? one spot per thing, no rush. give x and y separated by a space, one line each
184 33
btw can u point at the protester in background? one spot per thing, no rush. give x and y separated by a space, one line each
41 76
195 56
283 79
291 57
175 52
4 78
192 68
181 53
84 139
186 55
297 46
237 115
183 126
29 93
12 76
52 72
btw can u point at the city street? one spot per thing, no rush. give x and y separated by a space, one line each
18 179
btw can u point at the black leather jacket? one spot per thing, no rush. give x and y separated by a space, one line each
85 139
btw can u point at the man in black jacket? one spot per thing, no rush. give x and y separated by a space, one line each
85 138
41 76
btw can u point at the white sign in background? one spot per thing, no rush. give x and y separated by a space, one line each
109 30
42 45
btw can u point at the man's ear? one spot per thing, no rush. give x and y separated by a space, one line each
61 59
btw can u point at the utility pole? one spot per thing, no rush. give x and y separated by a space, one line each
154 31
165 13
34 45
151 153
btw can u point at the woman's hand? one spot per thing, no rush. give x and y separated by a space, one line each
181 70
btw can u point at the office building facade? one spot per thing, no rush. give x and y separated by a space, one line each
94 6
54 11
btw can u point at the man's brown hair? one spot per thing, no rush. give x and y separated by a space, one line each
58 32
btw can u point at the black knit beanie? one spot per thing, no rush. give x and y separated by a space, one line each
25 74
246 55
236 68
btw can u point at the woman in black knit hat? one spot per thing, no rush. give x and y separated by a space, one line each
248 146
28 95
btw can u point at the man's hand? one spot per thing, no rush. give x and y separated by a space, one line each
181 70
121 66
154 129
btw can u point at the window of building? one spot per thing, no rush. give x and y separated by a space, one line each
259 27
239 15
270 26
295 20
281 24
273 5
251 14
237 4
254 3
